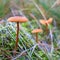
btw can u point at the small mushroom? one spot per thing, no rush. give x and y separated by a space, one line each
17 19
46 22
36 31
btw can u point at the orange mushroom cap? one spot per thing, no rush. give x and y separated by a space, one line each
44 22
50 20
37 30
18 19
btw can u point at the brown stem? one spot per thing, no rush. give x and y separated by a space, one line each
47 28
17 34
37 37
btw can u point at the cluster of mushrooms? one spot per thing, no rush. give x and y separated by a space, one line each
21 19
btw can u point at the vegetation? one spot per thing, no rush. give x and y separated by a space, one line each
48 47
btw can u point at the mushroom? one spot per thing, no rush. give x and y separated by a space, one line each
36 31
46 22
17 19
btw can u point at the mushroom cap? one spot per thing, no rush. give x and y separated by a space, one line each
50 20
44 22
18 19
37 30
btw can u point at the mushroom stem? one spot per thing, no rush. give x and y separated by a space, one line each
17 34
37 37
47 28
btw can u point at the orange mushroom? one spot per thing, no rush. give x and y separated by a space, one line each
17 19
36 31
46 22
